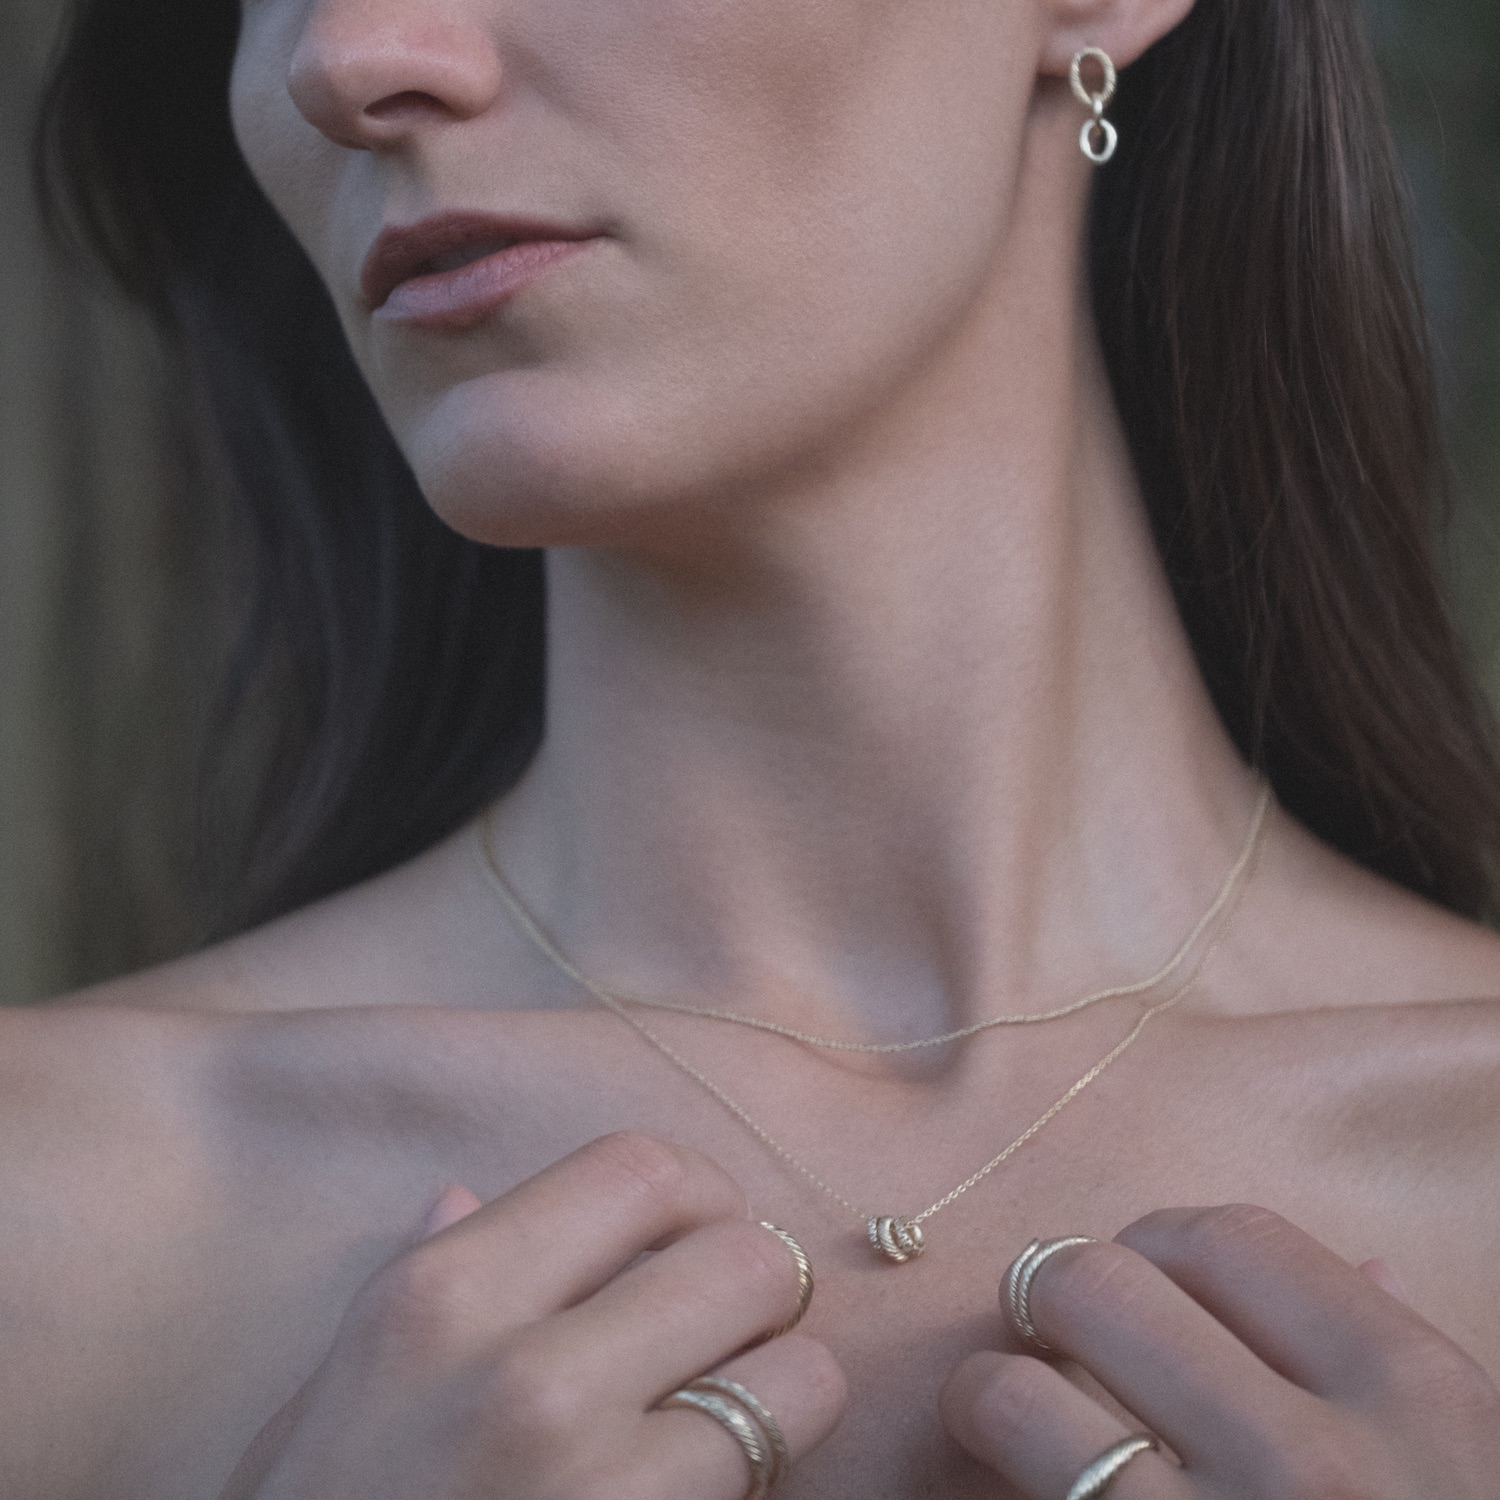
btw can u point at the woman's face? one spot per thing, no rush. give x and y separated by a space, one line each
770 211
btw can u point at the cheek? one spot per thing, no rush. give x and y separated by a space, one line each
807 210
819 154
296 168
808 193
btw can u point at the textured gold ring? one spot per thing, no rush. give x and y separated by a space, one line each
746 1419
1017 1290
721 1385
1101 1473
804 1279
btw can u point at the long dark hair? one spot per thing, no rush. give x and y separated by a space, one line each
1253 284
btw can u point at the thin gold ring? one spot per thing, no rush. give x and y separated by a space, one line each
1101 1473
804 1279
1017 1288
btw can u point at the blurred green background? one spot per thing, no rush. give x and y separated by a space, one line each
112 581
1440 59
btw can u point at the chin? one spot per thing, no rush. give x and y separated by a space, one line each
542 458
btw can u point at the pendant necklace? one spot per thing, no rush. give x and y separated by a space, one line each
895 1237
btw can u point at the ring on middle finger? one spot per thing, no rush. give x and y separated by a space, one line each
1016 1289
746 1419
1100 1474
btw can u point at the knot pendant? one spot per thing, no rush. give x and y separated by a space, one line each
899 1240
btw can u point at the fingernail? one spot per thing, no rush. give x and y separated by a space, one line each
1384 1275
455 1202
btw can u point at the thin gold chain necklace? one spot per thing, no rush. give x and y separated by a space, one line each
836 1044
897 1238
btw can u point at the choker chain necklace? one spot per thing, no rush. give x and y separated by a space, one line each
897 1238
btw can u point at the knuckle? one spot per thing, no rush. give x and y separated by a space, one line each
669 1176
755 1262
1015 1396
1207 1233
1160 1226
528 1399
612 1479
674 1178
417 1305
1323 1465
656 1166
1432 1373
604 1484
1090 1279
821 1385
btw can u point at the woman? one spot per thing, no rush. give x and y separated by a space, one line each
927 582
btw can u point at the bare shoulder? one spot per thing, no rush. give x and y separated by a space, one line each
77 1083
1320 932
96 1161
427 933
1362 1026
1381 1012
1410 1119
183 1226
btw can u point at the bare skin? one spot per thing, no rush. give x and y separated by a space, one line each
868 710
206 1186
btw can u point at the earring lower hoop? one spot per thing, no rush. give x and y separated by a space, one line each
1098 154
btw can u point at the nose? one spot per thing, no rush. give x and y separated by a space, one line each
370 73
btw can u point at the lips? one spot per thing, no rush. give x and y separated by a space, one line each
455 266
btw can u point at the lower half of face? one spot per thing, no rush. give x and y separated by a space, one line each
797 203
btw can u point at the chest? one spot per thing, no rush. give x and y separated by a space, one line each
323 1194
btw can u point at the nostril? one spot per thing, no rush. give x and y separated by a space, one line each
407 105
367 87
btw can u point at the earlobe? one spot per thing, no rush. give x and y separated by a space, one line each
1122 28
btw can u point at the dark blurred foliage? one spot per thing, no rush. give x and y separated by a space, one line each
1442 65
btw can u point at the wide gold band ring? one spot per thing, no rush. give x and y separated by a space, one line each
1101 1473
804 1279
1016 1291
745 1417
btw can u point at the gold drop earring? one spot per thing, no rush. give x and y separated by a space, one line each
1098 138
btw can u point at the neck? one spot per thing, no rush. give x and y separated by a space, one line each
915 736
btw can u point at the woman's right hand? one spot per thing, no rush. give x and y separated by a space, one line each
521 1351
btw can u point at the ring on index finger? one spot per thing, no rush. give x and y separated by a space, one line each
1016 1289
804 1279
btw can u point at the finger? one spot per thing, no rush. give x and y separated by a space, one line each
543 1246
455 1202
1303 1309
1161 1355
687 1455
1038 1432
673 1315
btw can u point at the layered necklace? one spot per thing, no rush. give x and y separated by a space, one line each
900 1238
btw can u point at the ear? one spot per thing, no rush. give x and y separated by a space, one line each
1123 28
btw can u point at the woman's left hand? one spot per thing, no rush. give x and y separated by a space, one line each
1269 1366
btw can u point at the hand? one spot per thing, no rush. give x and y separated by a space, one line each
520 1350
1270 1367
